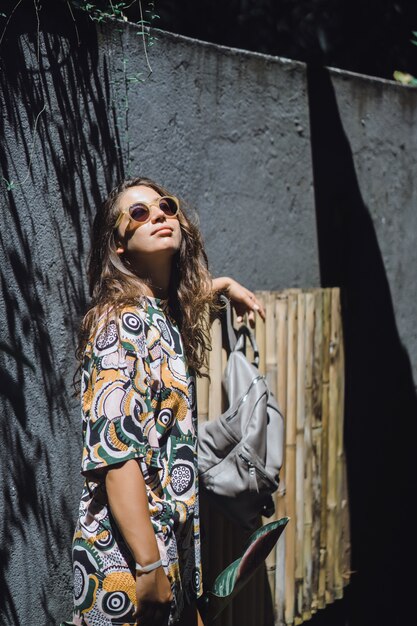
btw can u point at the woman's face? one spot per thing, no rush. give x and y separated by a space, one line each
160 236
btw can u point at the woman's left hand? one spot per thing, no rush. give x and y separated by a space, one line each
243 300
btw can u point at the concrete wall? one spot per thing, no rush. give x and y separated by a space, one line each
379 119
230 132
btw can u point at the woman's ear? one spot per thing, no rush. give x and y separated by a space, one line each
119 245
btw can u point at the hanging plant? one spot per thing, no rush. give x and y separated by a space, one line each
140 13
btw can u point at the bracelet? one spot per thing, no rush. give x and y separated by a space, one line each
145 569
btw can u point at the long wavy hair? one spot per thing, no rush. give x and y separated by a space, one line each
113 285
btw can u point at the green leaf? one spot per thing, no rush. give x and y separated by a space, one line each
235 576
9 184
405 78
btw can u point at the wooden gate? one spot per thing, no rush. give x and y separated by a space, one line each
301 355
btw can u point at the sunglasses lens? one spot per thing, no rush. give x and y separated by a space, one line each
139 213
168 206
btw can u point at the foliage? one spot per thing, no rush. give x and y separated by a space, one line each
404 77
106 9
140 12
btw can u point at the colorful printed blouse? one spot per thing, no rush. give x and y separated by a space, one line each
138 402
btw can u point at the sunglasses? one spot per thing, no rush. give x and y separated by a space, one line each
140 212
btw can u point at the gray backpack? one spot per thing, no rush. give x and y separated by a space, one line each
240 453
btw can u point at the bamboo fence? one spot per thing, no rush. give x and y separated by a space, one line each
301 355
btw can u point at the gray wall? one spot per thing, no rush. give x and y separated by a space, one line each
227 130
380 120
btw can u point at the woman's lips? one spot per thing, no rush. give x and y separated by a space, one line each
163 229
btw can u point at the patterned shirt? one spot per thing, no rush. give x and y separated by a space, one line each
138 402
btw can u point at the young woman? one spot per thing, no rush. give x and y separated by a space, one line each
136 549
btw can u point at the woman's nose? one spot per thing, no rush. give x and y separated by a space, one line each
156 213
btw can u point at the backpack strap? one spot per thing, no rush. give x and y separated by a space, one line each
228 331
243 333
236 339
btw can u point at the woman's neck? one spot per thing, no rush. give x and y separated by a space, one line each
155 276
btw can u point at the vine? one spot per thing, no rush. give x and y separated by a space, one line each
98 11
10 184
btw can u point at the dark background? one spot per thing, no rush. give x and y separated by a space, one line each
366 36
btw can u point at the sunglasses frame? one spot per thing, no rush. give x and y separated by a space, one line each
148 205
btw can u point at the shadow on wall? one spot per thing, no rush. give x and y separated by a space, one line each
381 403
75 140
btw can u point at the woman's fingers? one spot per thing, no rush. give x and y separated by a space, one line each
258 306
251 305
244 301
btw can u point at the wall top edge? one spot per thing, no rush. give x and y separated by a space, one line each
228 49
289 63
281 60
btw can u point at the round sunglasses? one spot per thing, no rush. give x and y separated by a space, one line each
140 212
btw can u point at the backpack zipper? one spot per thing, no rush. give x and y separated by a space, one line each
253 483
249 462
244 398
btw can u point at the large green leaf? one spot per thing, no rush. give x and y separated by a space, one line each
236 575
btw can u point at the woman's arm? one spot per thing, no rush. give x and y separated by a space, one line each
129 506
128 503
242 299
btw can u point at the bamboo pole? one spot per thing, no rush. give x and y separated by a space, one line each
203 398
270 342
256 611
345 520
308 488
299 454
324 450
215 371
317 442
332 451
216 523
290 535
281 306
202 387
243 605
260 334
346 566
338 573
271 377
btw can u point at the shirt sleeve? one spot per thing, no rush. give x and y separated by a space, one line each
118 419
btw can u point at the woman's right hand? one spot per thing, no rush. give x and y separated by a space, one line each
129 504
154 596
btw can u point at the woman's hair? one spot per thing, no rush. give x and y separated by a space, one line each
113 286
